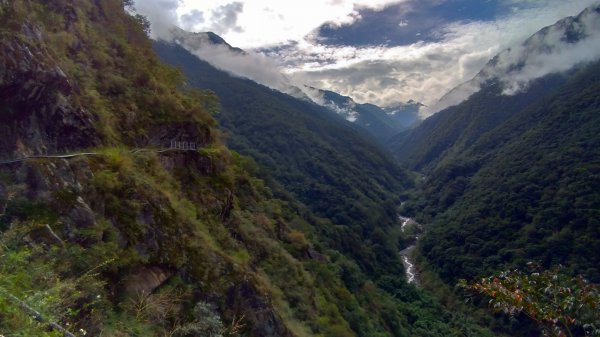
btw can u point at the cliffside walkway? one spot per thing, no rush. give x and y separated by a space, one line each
34 314
174 146
71 155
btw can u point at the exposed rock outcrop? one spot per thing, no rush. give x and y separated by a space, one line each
34 90
143 281
117 214
187 159
266 322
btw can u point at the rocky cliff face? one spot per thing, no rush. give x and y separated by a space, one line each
151 239
147 216
37 115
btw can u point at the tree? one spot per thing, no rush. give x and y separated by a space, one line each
128 4
562 305
143 22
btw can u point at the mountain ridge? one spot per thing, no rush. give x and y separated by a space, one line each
381 123
507 64
511 179
500 74
369 116
315 120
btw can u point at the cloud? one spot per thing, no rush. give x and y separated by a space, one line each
550 52
345 109
251 65
192 19
273 22
553 50
161 13
225 18
381 75
423 71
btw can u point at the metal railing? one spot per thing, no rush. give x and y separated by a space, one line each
183 145
175 145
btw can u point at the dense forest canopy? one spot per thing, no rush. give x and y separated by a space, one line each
283 218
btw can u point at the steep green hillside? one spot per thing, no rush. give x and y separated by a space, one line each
130 239
513 181
455 129
527 190
406 114
372 118
326 162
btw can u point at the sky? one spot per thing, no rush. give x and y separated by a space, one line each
376 51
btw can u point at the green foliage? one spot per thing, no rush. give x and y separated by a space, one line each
143 22
263 260
510 179
526 190
561 304
324 161
206 323
447 133
353 190
34 275
107 55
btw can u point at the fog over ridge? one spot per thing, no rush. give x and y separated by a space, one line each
386 75
554 49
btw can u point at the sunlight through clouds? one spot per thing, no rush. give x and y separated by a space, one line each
271 22
288 34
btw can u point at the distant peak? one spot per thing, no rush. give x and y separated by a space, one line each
556 48
197 40
403 105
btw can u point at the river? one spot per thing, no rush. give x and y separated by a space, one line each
406 254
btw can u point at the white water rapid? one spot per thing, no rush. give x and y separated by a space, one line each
406 254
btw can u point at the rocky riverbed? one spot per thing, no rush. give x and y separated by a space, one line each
411 228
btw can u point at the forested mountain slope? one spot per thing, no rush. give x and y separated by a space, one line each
455 129
133 239
511 176
123 242
526 191
372 118
505 85
514 178
328 163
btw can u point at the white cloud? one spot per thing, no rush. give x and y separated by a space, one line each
271 22
191 19
161 13
540 55
549 53
423 71
346 109
224 18
251 65
384 76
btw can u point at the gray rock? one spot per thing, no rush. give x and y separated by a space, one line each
243 297
34 90
145 280
81 216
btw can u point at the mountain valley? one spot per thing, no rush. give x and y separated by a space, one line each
147 191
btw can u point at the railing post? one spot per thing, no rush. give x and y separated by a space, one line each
181 145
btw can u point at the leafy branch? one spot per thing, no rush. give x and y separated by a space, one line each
562 305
